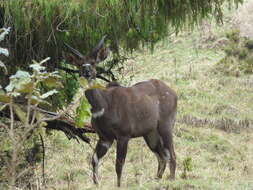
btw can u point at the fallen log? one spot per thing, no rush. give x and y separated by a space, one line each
61 123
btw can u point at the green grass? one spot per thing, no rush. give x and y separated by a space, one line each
212 129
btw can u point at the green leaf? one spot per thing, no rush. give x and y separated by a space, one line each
34 100
20 113
38 100
2 106
26 88
49 93
83 82
4 97
19 81
86 85
82 113
52 82
95 84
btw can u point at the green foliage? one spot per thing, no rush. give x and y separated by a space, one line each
21 149
29 156
82 112
23 83
233 35
187 167
239 55
249 44
70 88
41 26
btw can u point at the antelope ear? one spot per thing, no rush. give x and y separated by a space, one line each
72 59
102 54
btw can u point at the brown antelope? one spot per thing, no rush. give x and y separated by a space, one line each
146 109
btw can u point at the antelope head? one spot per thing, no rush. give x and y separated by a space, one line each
87 64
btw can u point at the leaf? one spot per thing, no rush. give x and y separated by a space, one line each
43 124
44 60
26 88
2 107
37 67
4 51
49 93
38 116
20 113
4 31
15 94
82 112
19 81
97 85
52 82
37 100
9 88
83 82
4 98
34 100
20 74
3 65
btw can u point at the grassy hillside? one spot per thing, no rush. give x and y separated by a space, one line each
213 133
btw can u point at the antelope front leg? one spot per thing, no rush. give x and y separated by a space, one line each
101 149
121 155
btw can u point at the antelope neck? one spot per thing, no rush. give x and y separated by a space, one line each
97 100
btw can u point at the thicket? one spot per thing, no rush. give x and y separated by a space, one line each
20 128
39 27
239 55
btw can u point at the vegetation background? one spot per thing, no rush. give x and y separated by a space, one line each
211 69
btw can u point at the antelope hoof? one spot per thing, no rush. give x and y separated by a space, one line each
159 176
95 179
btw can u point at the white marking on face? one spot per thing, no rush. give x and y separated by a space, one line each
98 113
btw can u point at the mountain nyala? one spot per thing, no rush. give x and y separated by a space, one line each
146 109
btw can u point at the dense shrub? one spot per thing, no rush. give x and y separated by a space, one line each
239 55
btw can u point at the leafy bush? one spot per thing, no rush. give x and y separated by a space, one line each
239 55
21 150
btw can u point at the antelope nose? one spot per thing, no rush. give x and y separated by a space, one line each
87 74
87 70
